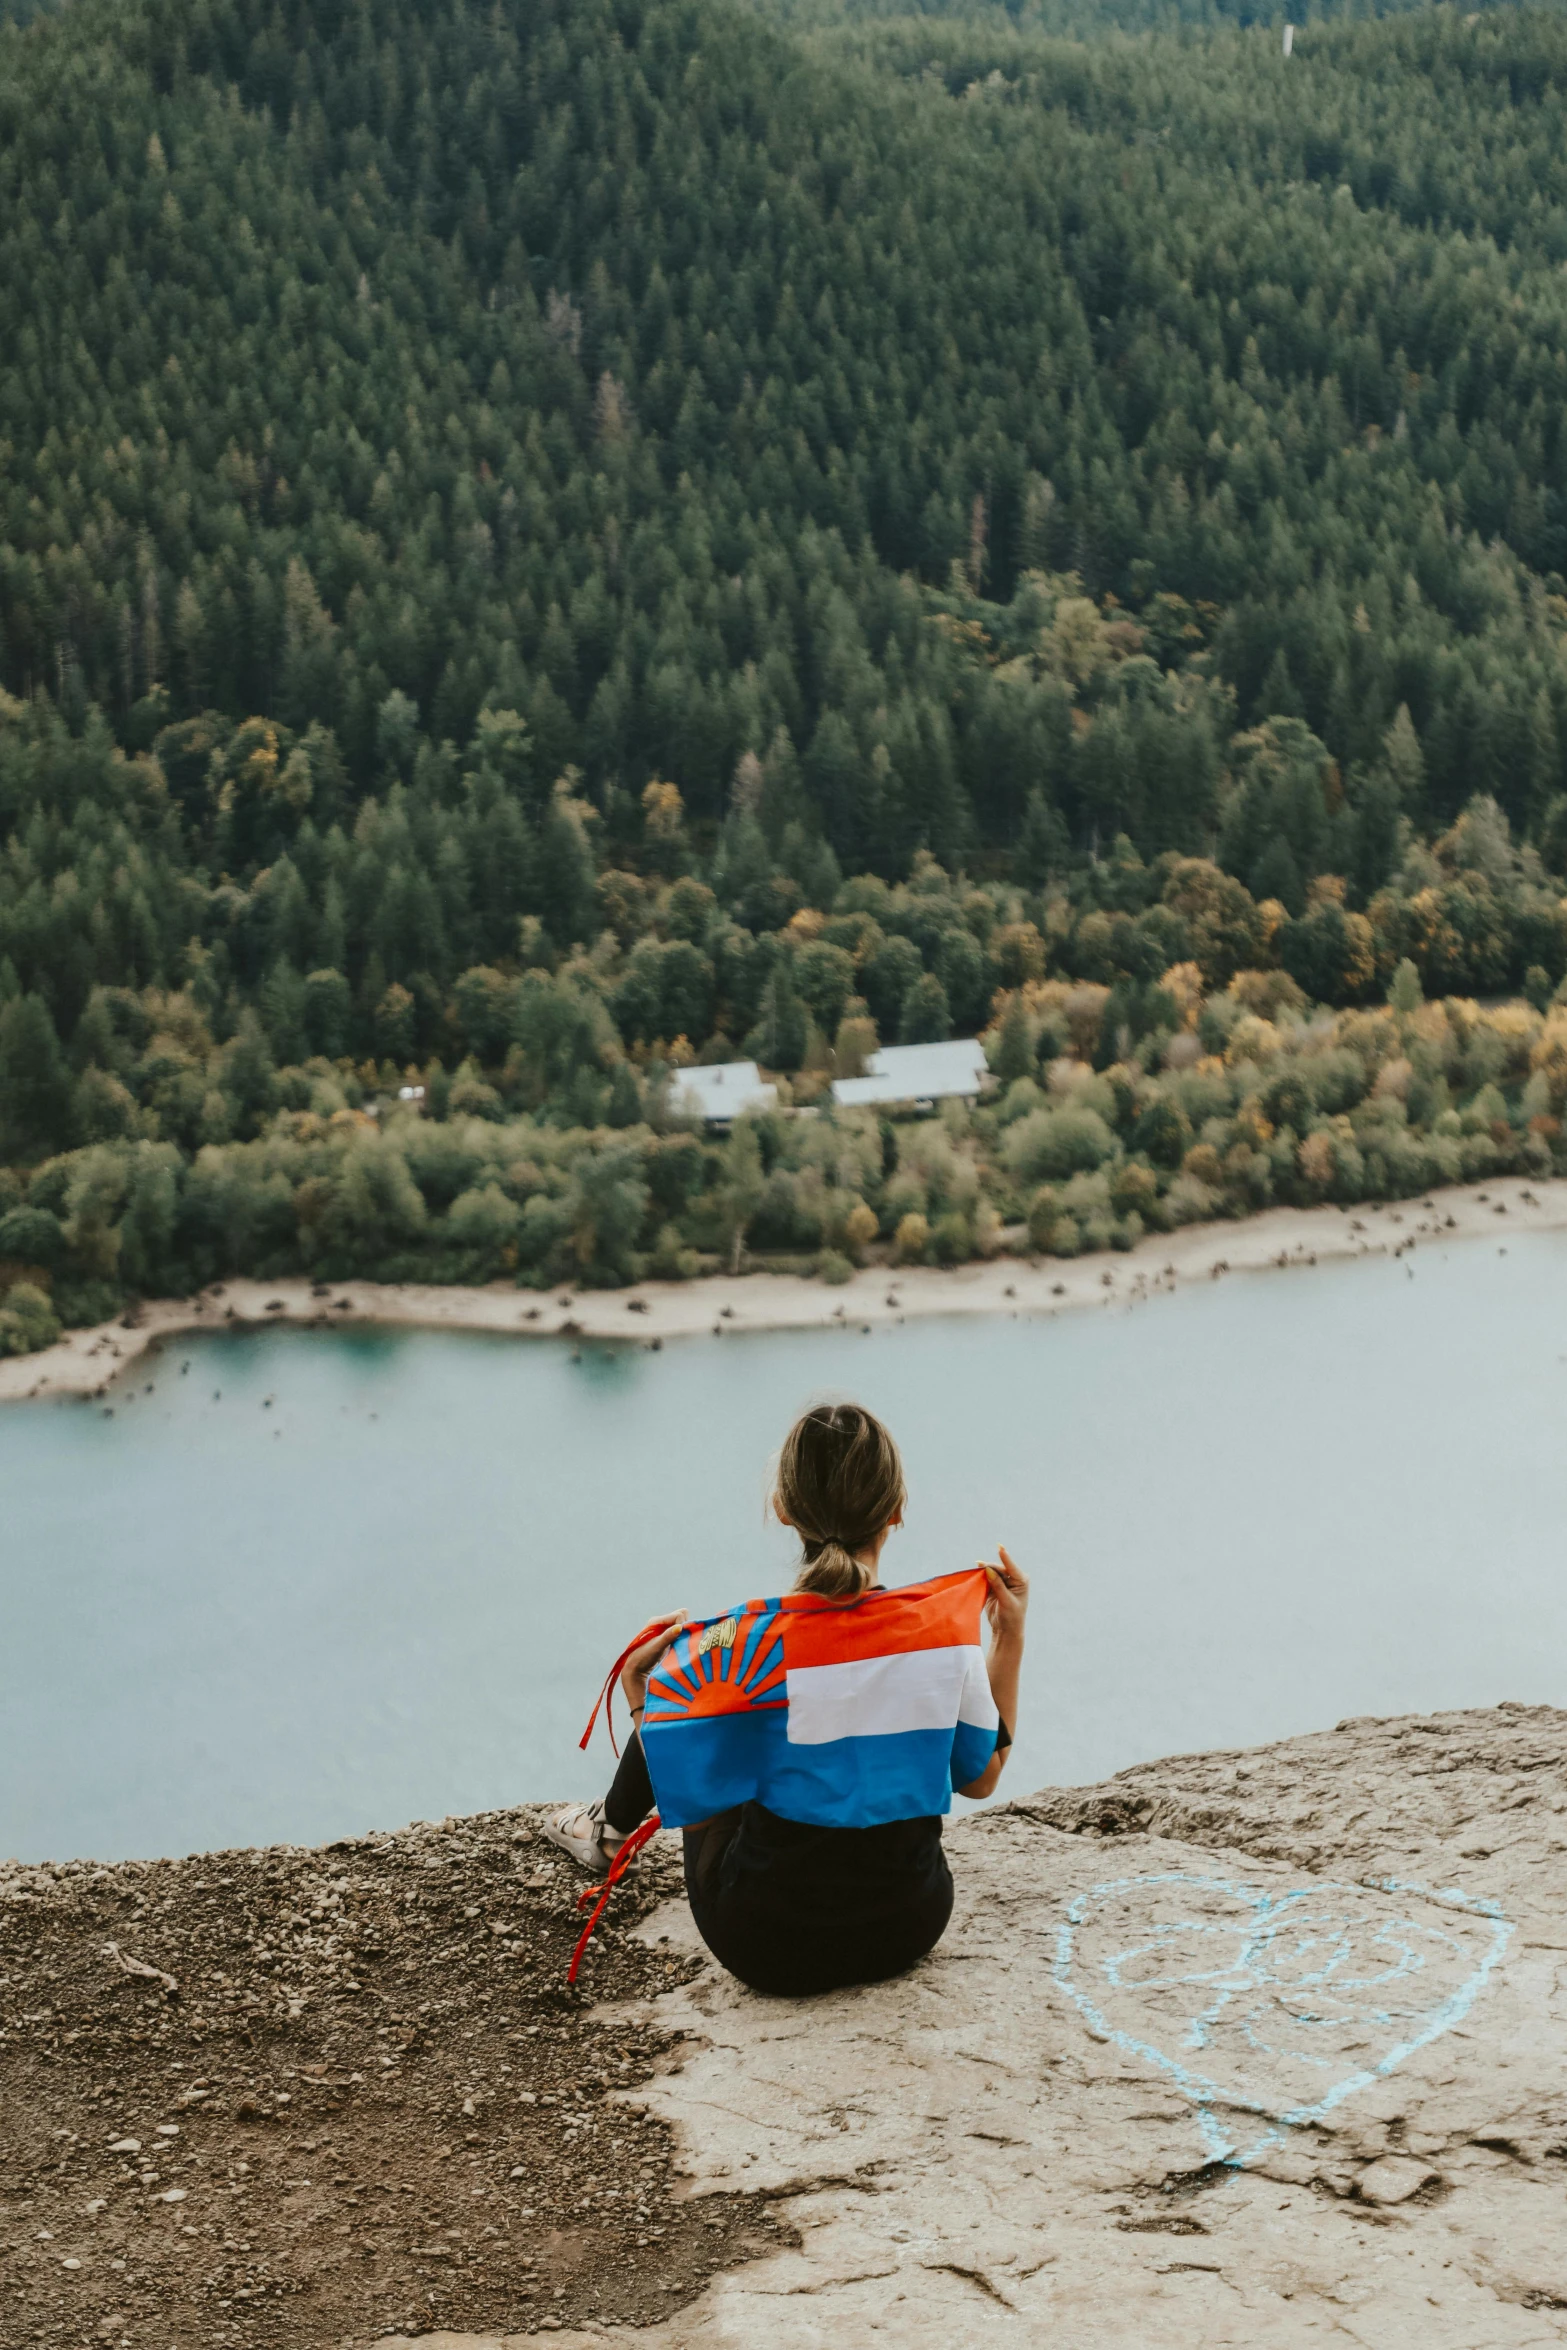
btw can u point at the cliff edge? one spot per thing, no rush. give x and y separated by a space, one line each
1247 2049
1238 2049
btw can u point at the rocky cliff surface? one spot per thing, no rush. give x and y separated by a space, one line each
1244 2049
1239 2051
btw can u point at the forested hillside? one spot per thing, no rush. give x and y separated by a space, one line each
1081 20
535 543
627 367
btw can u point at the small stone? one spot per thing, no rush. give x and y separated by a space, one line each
70 2264
1393 2180
173 2195
126 2146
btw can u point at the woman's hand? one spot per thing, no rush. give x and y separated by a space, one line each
1008 1602
1006 1607
639 1664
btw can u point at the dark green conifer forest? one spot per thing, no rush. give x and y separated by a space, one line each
537 544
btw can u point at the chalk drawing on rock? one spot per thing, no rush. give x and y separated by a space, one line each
1279 2004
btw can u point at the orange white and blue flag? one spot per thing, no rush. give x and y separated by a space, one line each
842 1715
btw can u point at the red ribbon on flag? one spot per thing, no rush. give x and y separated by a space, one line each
617 1869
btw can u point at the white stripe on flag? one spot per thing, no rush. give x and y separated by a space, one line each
878 1696
976 1704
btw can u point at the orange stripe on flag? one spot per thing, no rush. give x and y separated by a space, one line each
944 1613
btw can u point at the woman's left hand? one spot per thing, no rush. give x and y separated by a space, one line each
1007 1604
639 1664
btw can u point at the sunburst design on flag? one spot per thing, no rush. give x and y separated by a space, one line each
706 1673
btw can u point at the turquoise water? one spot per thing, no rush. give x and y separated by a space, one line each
391 1591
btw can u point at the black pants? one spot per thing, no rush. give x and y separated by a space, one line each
792 1909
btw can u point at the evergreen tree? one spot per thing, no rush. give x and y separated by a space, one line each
35 1081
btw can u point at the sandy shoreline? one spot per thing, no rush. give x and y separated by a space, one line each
85 1362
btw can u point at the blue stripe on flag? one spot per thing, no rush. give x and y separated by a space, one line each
712 1763
972 1749
716 1761
865 1782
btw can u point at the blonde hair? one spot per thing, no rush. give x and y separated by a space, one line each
839 1483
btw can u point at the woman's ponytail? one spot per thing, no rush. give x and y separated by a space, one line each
833 1572
840 1484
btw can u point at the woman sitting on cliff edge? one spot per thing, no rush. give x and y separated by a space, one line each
809 1746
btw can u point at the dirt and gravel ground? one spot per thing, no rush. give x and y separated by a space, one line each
363 2101
367 2111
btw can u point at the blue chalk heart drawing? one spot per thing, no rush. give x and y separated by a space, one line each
1275 2004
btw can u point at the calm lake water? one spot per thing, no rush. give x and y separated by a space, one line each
390 1591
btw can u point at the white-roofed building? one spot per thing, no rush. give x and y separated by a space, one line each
721 1092
917 1073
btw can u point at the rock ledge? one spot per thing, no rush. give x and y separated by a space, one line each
1241 2049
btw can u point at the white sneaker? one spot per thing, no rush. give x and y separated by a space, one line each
584 1833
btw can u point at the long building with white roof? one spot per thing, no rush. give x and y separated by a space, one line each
902 1073
721 1092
